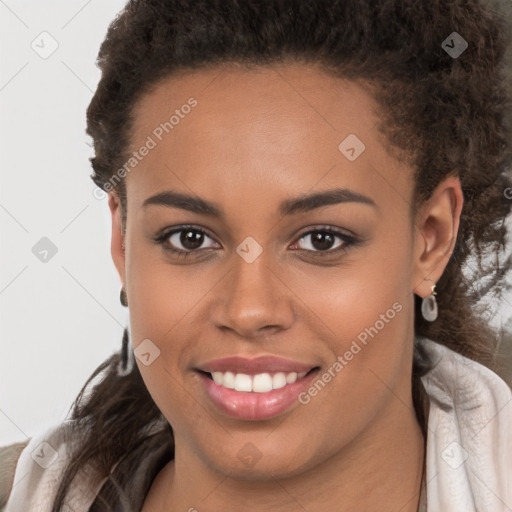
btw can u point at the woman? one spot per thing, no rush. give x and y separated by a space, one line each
296 189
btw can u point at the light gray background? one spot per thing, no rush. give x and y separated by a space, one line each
61 318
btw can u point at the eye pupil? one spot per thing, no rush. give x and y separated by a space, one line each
322 240
191 239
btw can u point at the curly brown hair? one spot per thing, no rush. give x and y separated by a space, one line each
444 115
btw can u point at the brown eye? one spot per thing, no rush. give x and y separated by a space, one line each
184 240
190 239
323 240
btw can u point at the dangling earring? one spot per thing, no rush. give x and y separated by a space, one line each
123 298
429 306
125 365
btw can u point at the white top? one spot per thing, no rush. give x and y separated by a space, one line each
468 459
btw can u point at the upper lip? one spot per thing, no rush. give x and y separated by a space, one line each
262 364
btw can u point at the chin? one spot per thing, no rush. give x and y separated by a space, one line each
254 464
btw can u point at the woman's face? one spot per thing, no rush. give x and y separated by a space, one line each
325 284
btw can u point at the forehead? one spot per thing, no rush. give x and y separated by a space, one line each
286 127
301 93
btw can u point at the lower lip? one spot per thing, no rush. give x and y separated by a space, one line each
256 406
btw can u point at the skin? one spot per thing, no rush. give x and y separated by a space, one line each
256 138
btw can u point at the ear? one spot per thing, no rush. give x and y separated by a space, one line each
117 242
436 229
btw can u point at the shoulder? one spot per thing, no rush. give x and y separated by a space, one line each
469 442
456 378
9 456
39 465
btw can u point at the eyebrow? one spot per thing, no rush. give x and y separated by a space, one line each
300 204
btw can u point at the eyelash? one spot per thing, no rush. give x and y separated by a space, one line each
350 241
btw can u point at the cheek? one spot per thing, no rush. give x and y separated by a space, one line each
371 282
367 306
171 396
161 301
157 304
161 295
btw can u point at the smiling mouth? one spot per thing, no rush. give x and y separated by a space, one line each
259 383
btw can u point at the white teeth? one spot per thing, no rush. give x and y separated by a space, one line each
260 383
279 380
228 380
243 382
291 378
217 377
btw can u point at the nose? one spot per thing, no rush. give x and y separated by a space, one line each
253 300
